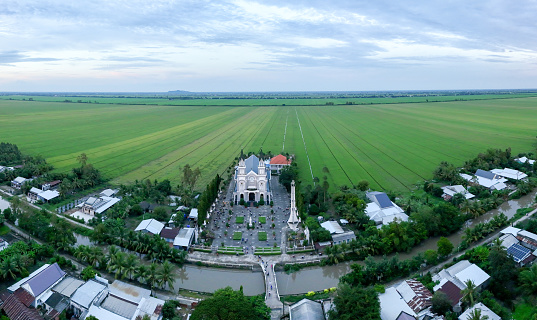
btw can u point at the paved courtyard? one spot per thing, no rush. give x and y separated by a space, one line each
220 219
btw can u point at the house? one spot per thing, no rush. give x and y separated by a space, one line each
453 279
108 192
52 185
169 234
392 305
527 239
520 254
150 226
18 182
43 196
193 214
55 305
332 227
67 287
279 162
510 173
95 205
15 309
485 311
37 285
148 207
86 294
450 191
382 210
344 237
306 309
487 179
3 244
405 301
525 160
184 238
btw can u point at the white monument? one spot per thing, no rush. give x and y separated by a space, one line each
294 219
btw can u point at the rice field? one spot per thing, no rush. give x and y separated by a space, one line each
393 146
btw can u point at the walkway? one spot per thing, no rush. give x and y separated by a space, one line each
272 296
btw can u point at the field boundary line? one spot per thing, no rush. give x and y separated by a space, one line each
285 131
306 149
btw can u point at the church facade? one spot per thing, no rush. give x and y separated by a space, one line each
252 180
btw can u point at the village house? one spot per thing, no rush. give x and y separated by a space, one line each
251 181
306 309
278 163
485 312
18 182
524 160
382 210
3 244
169 234
519 250
451 191
453 280
83 298
61 296
408 300
510 174
52 185
95 205
150 226
487 179
339 236
36 194
184 239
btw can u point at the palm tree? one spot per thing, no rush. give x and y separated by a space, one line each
94 255
166 275
8 267
141 272
130 266
152 276
527 279
334 254
476 315
82 253
117 264
469 293
112 250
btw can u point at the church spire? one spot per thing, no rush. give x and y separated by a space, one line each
293 217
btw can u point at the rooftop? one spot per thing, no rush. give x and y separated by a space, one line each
485 311
183 237
128 292
332 227
306 309
67 286
169 233
44 279
151 225
280 159
85 295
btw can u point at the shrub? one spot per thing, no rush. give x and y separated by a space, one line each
239 220
237 235
262 236
262 219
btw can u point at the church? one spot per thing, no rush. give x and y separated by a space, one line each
252 177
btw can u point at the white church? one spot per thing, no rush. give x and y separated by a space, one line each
252 177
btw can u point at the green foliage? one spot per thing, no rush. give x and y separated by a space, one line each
431 256
160 214
207 198
227 304
9 154
237 235
445 247
239 220
355 303
262 219
528 280
262 236
441 303
169 309
88 273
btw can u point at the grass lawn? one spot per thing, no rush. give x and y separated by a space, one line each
262 219
392 146
237 235
239 220
262 236
524 311
4 230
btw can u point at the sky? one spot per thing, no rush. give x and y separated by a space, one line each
273 45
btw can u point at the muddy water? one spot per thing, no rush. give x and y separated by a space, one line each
205 279
82 240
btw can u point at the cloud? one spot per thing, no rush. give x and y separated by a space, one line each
14 56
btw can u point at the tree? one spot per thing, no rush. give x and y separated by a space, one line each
168 310
91 318
476 315
355 303
165 275
468 294
431 256
82 159
228 304
88 273
161 214
441 303
528 280
363 185
445 247
190 177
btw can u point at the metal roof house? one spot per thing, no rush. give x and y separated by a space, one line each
98 205
86 294
450 191
344 237
151 226
184 238
485 311
382 210
510 173
486 179
18 182
306 309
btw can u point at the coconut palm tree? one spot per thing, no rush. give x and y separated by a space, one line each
152 276
8 267
476 315
166 275
94 255
130 266
468 294
81 253
141 272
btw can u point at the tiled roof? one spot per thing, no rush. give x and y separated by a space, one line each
169 233
280 159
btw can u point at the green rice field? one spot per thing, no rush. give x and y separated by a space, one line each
393 146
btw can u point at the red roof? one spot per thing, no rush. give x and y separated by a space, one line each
24 296
16 310
280 159
452 291
169 233
423 296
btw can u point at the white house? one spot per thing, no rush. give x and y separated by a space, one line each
382 210
18 182
252 181
485 311
510 173
486 179
151 226
450 191
39 283
524 160
184 238
98 205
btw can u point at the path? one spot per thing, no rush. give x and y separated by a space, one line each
285 131
272 296
39 208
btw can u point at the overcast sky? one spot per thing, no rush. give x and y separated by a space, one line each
241 45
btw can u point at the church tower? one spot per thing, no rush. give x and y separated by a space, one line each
293 217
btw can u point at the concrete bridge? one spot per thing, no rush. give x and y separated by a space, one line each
272 296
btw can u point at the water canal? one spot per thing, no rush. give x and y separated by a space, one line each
205 279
